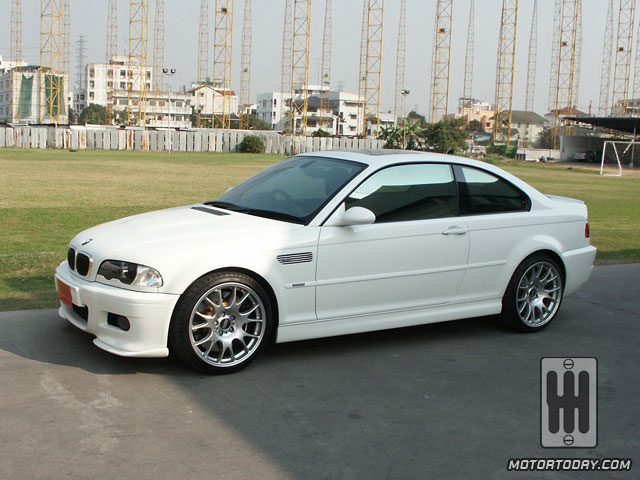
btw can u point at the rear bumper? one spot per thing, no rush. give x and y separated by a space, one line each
149 315
579 265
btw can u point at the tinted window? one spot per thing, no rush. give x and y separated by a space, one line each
407 192
481 192
298 187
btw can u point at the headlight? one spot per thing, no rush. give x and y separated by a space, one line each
130 273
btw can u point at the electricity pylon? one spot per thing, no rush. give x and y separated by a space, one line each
222 62
441 59
138 52
325 76
51 46
363 67
605 69
373 66
111 49
555 51
566 78
16 30
245 72
203 58
468 60
620 97
300 65
505 70
66 41
401 51
112 29
285 79
531 74
158 45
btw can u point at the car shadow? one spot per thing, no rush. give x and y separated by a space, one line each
42 336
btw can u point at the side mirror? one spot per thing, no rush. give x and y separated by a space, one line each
353 216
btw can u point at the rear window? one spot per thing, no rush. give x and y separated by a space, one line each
483 193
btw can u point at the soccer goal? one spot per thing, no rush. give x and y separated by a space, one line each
612 144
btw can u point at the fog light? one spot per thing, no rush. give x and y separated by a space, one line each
119 321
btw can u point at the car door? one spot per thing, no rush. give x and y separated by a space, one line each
498 218
413 256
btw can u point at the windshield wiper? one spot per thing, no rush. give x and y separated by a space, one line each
270 214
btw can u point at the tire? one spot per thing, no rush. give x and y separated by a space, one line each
534 294
221 323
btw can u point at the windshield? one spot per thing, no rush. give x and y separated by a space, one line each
294 190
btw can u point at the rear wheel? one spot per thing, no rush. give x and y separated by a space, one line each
221 323
534 294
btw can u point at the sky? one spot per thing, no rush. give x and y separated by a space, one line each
88 18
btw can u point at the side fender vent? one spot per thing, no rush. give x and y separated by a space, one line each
291 258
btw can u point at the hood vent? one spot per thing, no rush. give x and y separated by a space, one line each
291 258
210 210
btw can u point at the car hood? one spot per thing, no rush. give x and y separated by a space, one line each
165 237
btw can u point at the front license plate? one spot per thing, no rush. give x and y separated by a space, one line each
64 292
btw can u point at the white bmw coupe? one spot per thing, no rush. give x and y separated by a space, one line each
323 244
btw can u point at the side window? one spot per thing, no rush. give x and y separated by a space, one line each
482 193
407 192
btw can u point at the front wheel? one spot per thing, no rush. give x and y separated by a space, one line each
221 323
534 294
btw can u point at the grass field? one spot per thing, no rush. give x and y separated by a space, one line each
47 196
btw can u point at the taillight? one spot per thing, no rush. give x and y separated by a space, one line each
586 230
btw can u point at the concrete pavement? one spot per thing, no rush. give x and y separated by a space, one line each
453 400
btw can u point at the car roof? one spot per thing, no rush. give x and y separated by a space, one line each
379 158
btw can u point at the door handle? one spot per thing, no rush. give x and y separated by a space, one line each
456 231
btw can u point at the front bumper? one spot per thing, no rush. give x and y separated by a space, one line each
149 315
579 265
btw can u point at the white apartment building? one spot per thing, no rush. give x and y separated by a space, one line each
271 106
118 74
79 99
346 107
24 97
6 65
209 101
162 109
341 118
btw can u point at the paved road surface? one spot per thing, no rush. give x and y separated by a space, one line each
453 400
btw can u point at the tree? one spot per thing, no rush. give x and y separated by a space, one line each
94 114
411 135
321 133
446 135
251 144
545 137
475 126
256 124
392 136
415 117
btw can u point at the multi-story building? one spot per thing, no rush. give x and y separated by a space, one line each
79 99
6 65
346 107
27 95
529 126
118 74
162 109
209 100
271 107
341 117
479 110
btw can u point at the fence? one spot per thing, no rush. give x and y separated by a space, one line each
106 138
